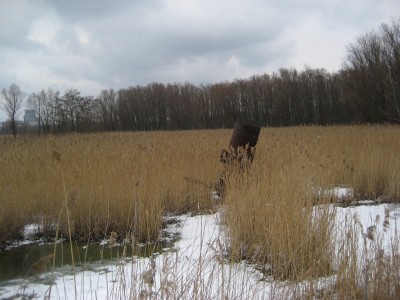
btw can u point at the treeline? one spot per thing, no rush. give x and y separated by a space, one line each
285 98
366 90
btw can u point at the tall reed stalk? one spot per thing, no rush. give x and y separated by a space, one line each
122 182
269 208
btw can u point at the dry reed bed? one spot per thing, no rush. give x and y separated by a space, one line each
122 182
126 182
269 208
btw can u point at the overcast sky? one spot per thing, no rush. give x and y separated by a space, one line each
100 44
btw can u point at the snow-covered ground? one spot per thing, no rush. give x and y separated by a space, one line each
193 268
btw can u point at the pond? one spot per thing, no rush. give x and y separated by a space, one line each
35 258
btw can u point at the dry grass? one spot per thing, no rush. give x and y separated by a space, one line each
121 182
368 268
125 182
270 211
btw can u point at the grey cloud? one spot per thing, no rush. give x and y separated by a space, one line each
157 41
120 43
78 10
16 18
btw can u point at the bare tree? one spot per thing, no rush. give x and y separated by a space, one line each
391 53
108 109
373 70
13 99
43 104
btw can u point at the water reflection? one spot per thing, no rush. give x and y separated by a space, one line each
35 258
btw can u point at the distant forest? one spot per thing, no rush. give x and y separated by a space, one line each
365 90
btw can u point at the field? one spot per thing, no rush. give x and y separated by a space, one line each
95 184
94 187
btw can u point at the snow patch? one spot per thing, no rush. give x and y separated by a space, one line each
195 265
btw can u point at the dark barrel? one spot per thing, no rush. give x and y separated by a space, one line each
244 134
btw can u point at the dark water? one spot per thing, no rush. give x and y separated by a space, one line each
33 259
